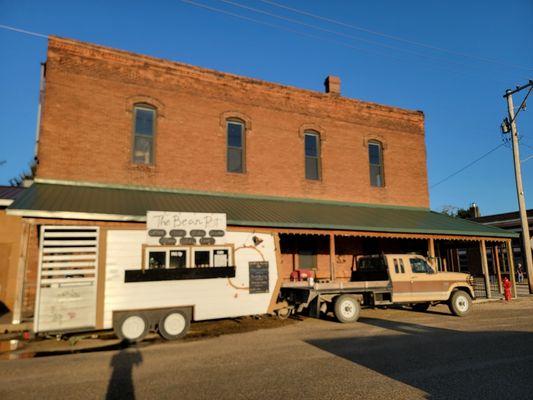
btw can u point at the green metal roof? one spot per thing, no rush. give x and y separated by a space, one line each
99 202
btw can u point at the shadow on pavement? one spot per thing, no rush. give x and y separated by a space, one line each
121 382
444 363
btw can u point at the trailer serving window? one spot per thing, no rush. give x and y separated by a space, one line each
174 257
177 263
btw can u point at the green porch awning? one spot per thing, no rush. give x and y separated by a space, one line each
100 202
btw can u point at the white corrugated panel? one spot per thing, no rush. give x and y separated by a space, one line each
66 290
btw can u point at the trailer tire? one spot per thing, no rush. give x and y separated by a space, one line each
174 325
283 313
421 307
131 327
460 303
347 308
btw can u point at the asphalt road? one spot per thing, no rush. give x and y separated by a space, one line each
389 354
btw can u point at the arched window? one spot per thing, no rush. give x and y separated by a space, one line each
312 155
144 117
235 130
375 159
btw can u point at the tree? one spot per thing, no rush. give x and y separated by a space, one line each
25 175
456 212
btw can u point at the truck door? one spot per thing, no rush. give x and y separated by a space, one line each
425 283
401 279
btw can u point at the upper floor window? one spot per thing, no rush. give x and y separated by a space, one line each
144 133
375 159
235 143
312 155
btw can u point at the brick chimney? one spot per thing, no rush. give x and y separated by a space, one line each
333 85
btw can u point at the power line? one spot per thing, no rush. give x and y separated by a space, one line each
298 22
439 66
12 28
467 166
396 38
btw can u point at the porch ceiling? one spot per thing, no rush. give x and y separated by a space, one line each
100 202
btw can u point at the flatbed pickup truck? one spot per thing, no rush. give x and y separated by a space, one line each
381 280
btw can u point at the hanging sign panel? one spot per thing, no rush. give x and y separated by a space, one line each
165 227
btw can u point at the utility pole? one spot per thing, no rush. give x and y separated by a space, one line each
526 242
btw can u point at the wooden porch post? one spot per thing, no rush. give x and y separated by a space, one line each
510 257
21 272
485 267
496 260
457 261
431 251
332 256
438 261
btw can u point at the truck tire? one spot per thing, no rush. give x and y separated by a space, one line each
421 307
460 303
131 327
347 308
174 325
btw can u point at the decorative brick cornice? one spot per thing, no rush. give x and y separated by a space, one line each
182 70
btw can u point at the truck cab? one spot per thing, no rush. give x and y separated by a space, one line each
415 282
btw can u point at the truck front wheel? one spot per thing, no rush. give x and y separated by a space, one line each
460 303
347 308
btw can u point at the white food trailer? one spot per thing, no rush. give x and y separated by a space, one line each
182 267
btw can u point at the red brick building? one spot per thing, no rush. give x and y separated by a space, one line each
334 177
92 94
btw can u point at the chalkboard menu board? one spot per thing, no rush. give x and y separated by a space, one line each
258 276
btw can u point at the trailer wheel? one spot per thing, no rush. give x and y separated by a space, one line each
347 308
174 325
283 313
131 327
460 303
421 307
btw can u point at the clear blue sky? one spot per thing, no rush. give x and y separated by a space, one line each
461 97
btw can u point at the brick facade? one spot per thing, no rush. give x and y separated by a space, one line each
86 130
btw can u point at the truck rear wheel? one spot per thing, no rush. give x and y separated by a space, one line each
174 325
131 327
347 308
460 303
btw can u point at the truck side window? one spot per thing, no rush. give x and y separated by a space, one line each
401 266
396 269
419 266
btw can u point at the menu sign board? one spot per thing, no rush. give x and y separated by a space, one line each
258 277
164 227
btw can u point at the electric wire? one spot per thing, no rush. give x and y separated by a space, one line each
12 28
393 37
433 65
467 166
298 22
